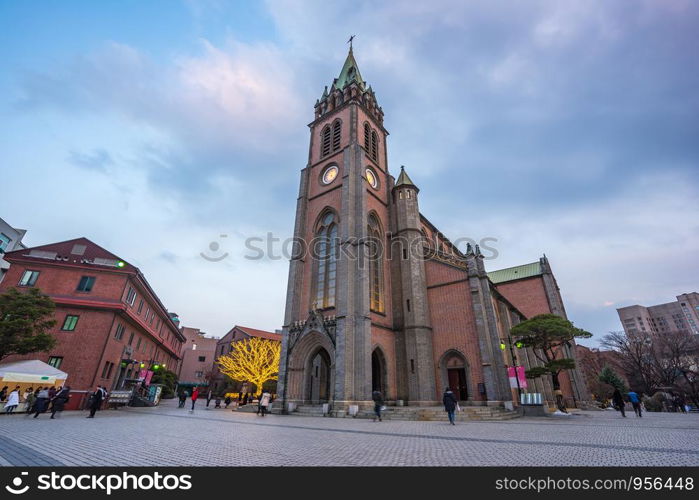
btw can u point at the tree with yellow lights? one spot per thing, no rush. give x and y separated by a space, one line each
252 360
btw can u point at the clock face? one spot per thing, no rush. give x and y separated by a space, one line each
330 174
371 178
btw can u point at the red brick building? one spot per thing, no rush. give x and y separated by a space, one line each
378 297
533 289
197 357
110 322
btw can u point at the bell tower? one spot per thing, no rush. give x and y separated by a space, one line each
327 333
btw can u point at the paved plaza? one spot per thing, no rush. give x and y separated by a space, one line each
170 436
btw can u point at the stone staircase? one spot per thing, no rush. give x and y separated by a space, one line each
421 413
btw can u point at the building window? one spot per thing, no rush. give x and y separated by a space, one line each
119 331
29 278
337 134
202 359
4 242
140 307
138 344
86 283
107 370
131 296
70 323
325 142
131 337
375 253
55 361
367 137
199 374
374 145
325 250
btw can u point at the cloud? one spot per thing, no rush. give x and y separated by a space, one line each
560 127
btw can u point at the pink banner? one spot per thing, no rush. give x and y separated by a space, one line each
149 375
520 375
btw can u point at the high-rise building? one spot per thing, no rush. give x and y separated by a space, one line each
680 315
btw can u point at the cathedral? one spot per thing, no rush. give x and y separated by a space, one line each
378 298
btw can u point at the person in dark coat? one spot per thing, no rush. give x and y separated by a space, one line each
96 401
42 401
228 401
60 400
245 399
377 397
3 393
618 401
450 402
183 398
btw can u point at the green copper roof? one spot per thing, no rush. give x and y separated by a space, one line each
403 179
349 73
515 273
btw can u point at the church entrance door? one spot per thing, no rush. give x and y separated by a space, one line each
320 378
457 382
378 372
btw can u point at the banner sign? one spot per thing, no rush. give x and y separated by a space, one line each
520 375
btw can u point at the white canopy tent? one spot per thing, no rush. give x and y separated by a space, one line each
31 371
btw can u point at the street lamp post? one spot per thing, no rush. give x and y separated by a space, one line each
505 343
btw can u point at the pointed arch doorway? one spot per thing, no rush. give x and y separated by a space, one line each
378 371
454 372
319 377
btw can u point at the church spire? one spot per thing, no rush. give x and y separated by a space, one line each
403 180
350 73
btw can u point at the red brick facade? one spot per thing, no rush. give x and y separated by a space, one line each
121 323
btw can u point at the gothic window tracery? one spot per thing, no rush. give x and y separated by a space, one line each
375 253
325 141
337 134
325 250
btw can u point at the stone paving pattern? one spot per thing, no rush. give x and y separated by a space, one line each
169 436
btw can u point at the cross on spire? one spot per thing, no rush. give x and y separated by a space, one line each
350 41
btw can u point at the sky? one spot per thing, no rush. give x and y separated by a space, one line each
170 132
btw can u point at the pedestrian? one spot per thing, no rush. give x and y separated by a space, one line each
217 402
450 403
245 399
12 401
3 393
377 397
209 397
30 400
96 401
60 401
635 402
42 401
195 395
618 401
259 403
265 401
183 398
228 401
52 393
27 393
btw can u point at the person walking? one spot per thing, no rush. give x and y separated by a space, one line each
245 399
96 401
195 395
12 401
635 402
265 401
450 402
183 398
618 401
228 401
209 396
60 401
30 400
42 401
377 397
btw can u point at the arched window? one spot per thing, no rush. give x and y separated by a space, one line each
375 254
337 130
325 253
367 137
325 141
374 145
